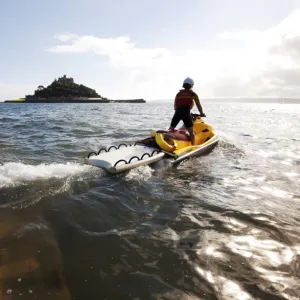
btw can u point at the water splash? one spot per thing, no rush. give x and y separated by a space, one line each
16 173
142 173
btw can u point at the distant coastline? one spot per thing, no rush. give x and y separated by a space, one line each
253 100
65 90
242 100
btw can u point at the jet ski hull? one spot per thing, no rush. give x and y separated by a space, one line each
197 151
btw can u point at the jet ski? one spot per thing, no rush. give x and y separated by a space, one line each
174 145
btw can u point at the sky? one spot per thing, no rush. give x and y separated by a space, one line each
145 49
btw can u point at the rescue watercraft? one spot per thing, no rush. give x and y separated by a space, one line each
173 145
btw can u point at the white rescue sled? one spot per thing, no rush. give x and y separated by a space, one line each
124 157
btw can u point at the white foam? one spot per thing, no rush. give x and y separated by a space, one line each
13 173
142 173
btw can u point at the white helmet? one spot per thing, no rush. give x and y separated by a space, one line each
189 81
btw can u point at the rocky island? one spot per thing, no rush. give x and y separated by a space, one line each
65 90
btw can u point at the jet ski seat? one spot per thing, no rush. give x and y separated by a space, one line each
181 134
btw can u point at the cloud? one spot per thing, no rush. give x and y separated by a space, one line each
66 37
262 63
120 51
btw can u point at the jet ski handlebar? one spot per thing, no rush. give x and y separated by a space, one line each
195 116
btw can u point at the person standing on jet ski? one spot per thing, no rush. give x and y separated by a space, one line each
184 102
